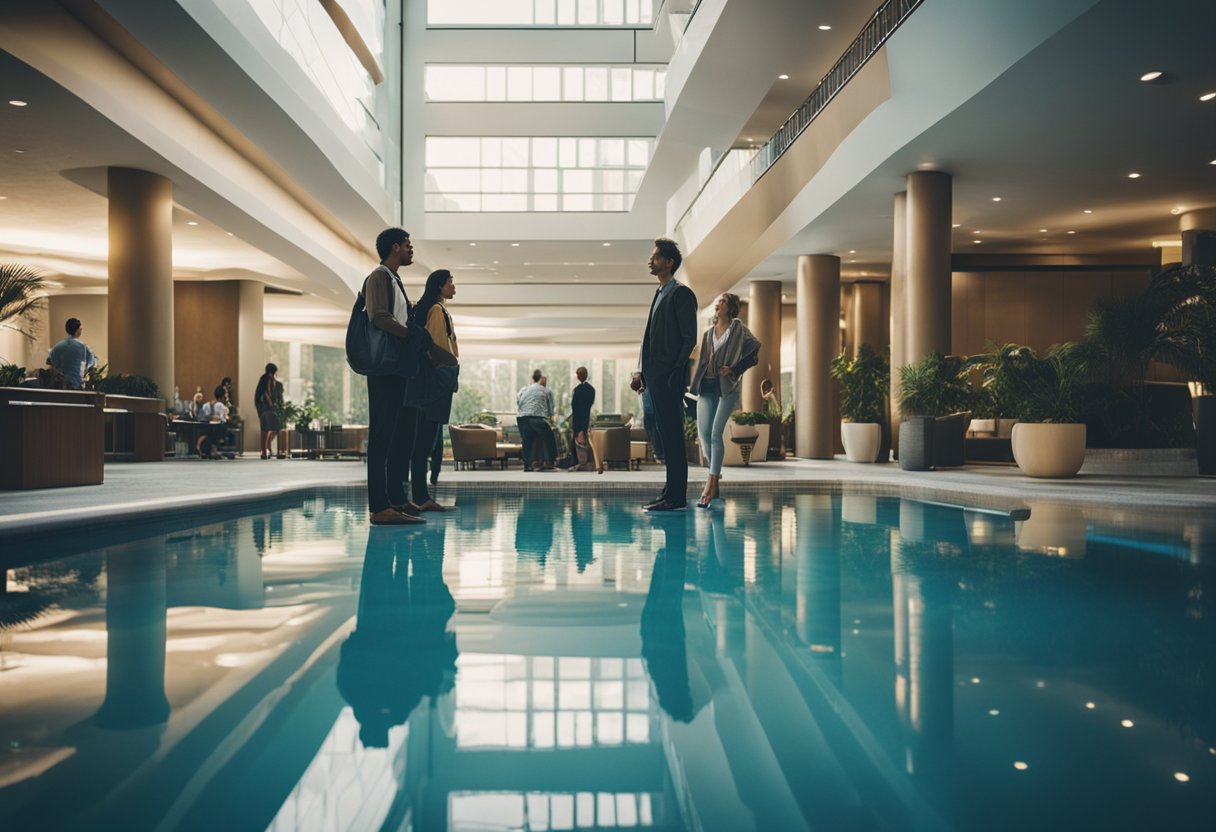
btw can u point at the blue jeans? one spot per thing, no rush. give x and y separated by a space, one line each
713 411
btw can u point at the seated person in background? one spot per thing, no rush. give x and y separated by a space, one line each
218 432
198 411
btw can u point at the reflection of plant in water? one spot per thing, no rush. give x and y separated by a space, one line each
37 590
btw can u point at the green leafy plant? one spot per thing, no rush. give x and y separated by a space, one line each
864 380
11 375
1188 323
1052 387
994 397
690 429
21 291
749 417
121 384
51 378
485 417
934 386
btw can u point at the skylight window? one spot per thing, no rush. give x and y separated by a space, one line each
539 12
450 82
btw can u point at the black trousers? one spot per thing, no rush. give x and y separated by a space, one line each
536 436
668 401
390 439
437 455
424 446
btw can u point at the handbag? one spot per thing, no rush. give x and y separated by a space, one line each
370 351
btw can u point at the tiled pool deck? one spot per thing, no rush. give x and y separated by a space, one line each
193 486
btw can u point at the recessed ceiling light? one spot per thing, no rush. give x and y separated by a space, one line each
996 199
1207 96
1175 211
783 77
956 225
495 262
1182 776
1087 211
607 244
1127 723
191 222
1133 176
472 244
1151 76
230 234
1070 232
977 232
825 28
1021 766
1042 230
852 251
3 197
977 242
514 245
1213 162
19 103
19 150
531 276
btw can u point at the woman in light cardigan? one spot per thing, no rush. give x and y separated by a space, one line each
728 348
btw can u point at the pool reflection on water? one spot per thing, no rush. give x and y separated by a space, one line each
787 661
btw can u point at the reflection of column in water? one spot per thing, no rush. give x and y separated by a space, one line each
924 664
817 589
136 634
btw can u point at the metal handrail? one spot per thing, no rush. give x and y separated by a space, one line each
890 15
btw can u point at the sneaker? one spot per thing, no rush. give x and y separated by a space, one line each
392 517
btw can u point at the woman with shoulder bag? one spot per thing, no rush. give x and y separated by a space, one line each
728 349
444 353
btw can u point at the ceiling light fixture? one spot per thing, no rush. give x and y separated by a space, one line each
1175 211
16 102
956 225
996 199
825 28
230 234
1042 230
607 244
1070 232
1151 76
1213 162
977 232
1133 176
783 77
472 244
19 150
1087 211
191 222
514 245
1207 96
852 251
977 242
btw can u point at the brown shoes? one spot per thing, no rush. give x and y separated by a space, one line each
393 517
431 505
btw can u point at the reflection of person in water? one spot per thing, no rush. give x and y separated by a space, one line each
580 531
663 641
722 565
534 529
401 649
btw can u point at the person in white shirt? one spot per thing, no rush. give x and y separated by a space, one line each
216 412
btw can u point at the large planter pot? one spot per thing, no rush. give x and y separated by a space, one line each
1204 408
861 440
916 443
1047 450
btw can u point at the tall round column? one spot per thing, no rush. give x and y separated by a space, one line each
251 357
818 334
764 320
1198 237
927 287
899 316
141 276
869 326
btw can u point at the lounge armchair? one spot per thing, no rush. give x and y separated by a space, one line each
471 443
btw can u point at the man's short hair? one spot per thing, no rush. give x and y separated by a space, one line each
669 249
388 238
72 326
581 373
219 392
536 376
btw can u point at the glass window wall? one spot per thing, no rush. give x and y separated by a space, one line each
636 13
449 82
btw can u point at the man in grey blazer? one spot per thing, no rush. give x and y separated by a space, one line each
671 333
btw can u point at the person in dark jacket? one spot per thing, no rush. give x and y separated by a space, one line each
671 333
581 401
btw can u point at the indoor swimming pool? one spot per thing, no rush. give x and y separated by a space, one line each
784 661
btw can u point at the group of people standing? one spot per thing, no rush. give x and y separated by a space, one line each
536 412
402 435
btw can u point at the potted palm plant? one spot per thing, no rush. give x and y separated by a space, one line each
1189 335
1049 438
863 401
933 387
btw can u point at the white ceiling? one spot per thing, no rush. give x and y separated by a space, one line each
1055 135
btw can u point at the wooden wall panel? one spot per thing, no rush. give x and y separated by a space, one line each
1041 315
205 317
1004 307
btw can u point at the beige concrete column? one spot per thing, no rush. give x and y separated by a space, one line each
927 286
764 320
251 358
1198 237
899 251
818 337
141 276
867 322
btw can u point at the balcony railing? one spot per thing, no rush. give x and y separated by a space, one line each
874 34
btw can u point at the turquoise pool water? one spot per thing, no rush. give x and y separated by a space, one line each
787 661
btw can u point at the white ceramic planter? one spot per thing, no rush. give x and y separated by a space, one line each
1049 451
861 440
